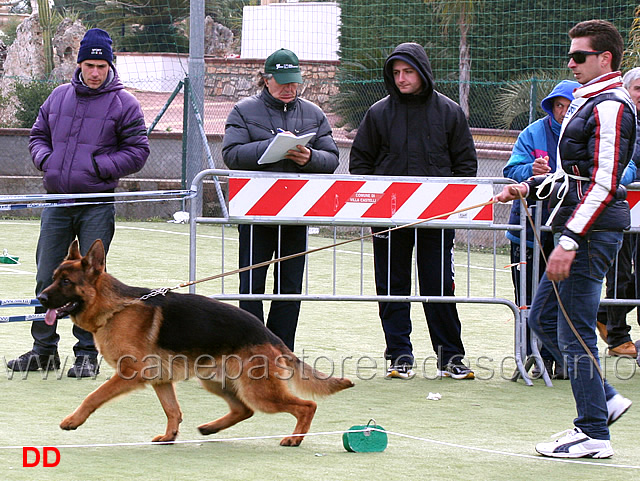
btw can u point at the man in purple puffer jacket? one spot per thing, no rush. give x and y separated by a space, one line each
89 133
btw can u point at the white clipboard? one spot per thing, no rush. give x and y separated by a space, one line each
280 144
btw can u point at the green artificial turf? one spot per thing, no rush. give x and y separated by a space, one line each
484 429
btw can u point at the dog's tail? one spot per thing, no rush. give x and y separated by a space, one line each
310 381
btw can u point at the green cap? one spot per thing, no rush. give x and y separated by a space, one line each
283 64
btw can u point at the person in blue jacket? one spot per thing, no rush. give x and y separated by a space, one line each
534 153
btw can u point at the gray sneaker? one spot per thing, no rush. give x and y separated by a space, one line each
456 370
617 406
400 371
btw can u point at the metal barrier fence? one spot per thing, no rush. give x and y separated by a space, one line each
633 197
61 201
352 203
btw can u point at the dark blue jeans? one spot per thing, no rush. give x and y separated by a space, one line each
59 226
434 257
260 243
580 295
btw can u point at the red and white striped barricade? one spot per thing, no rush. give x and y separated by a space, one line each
344 199
633 197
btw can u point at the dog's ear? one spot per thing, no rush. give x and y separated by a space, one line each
95 257
74 251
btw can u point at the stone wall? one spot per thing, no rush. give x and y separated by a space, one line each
234 79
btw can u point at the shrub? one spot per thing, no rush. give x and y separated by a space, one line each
30 96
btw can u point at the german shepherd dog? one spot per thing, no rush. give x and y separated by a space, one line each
162 339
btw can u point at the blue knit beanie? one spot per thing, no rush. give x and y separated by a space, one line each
96 45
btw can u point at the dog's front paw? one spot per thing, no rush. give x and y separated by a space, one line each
70 423
292 441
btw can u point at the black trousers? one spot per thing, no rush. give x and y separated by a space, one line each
434 258
260 243
621 285
547 248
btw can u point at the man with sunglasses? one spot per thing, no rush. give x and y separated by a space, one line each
596 143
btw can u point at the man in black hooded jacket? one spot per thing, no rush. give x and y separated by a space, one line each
415 131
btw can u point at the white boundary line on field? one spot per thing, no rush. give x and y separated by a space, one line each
13 270
408 436
31 224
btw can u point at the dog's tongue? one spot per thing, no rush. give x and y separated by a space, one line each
50 317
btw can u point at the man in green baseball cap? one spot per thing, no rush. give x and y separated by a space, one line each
251 126
282 75
283 64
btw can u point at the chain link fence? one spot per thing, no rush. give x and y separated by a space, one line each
497 58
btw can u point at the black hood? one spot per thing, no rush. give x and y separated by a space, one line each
413 54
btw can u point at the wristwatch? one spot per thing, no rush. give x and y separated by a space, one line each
567 243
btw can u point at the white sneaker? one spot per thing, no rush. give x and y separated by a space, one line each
617 406
576 444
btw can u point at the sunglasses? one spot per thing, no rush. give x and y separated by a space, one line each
580 56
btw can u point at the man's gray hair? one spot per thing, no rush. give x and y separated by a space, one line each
630 77
263 77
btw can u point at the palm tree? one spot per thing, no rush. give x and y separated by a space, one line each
145 25
462 13
631 56
518 102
